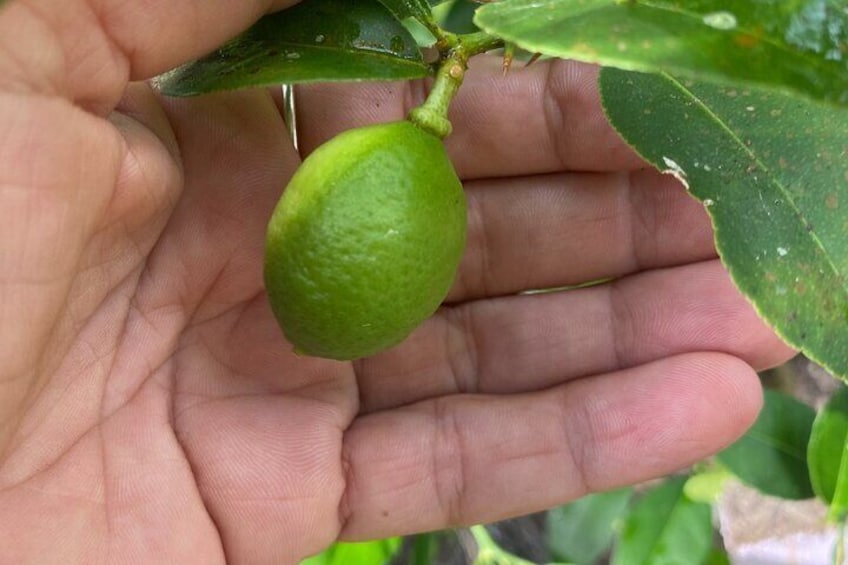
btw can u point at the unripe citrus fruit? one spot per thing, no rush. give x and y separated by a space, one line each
365 241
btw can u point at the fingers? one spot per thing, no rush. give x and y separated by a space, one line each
528 343
58 167
557 230
541 119
86 50
268 469
207 261
236 159
470 459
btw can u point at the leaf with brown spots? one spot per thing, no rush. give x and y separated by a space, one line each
798 46
771 169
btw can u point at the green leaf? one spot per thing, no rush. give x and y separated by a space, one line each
827 452
424 549
717 556
403 9
838 511
772 171
772 456
583 530
797 45
489 552
460 17
665 527
316 40
367 553
707 485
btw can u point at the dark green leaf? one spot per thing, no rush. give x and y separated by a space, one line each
367 553
582 531
717 556
403 9
827 449
316 40
665 527
799 45
772 456
460 17
772 171
424 549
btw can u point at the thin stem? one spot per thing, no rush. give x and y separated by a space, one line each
479 42
433 114
490 553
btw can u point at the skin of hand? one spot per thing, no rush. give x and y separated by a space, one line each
151 410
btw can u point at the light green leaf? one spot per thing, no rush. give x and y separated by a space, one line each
706 486
366 553
827 453
489 552
797 45
772 171
772 456
316 40
583 530
665 527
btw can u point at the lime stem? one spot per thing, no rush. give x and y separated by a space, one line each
479 42
432 116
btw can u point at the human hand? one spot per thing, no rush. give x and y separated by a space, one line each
152 411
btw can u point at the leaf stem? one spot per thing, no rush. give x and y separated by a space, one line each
478 42
490 553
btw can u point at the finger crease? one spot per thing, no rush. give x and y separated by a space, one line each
448 466
345 512
460 352
554 117
615 321
578 457
632 210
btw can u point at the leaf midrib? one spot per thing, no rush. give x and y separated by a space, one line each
772 179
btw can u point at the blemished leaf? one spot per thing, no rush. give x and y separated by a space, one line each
827 449
796 45
316 40
772 171
665 527
772 455
377 552
582 531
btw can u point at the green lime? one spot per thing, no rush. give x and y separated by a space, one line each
365 241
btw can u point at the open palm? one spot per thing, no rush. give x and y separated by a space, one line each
151 410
